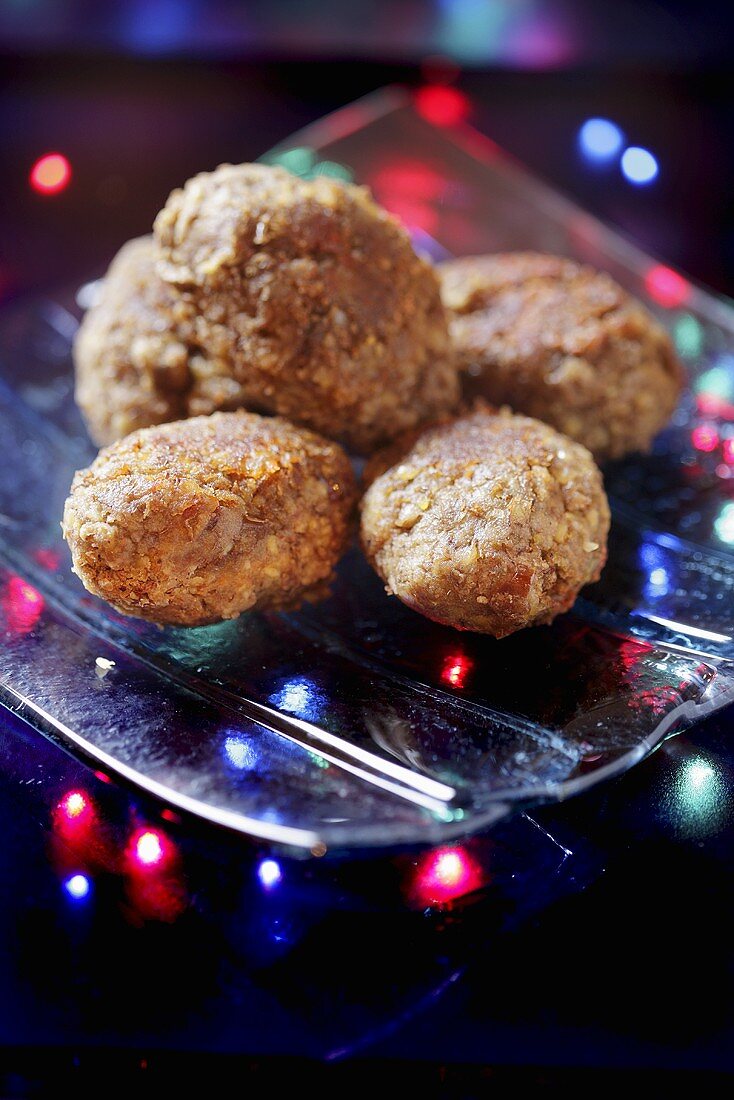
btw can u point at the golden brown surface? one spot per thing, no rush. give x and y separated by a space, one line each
309 302
563 343
491 522
134 362
198 520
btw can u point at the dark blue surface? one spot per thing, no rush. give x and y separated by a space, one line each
613 952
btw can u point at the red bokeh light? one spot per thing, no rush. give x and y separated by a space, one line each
148 848
50 174
456 669
74 804
49 559
155 883
22 605
705 437
441 104
727 450
667 287
446 874
710 404
410 189
75 816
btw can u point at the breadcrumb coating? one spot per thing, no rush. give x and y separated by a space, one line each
201 519
133 354
563 343
491 522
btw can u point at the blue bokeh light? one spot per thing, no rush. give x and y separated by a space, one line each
299 696
600 139
77 886
269 872
654 563
240 752
639 165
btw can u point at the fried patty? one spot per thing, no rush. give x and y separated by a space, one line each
133 354
201 519
491 522
272 293
563 343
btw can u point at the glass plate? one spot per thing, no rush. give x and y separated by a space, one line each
355 722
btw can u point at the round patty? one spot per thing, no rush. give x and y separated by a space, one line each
135 364
491 522
198 520
309 302
563 343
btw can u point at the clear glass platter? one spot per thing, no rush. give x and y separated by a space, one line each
355 722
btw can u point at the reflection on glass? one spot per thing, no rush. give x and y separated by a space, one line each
240 752
724 523
445 874
22 605
148 848
77 886
269 873
699 798
299 696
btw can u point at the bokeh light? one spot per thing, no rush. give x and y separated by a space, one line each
75 821
442 105
600 140
269 873
299 696
705 438
688 335
50 174
639 166
697 800
77 886
154 881
446 874
299 160
74 805
715 389
240 752
667 287
148 848
724 523
22 605
48 558
654 563
456 669
411 190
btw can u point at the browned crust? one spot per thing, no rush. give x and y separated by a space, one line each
491 523
198 520
563 343
272 293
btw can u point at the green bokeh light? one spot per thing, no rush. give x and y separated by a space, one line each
699 800
299 160
718 382
688 336
724 523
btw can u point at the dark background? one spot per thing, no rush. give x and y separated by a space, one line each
139 96
615 957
